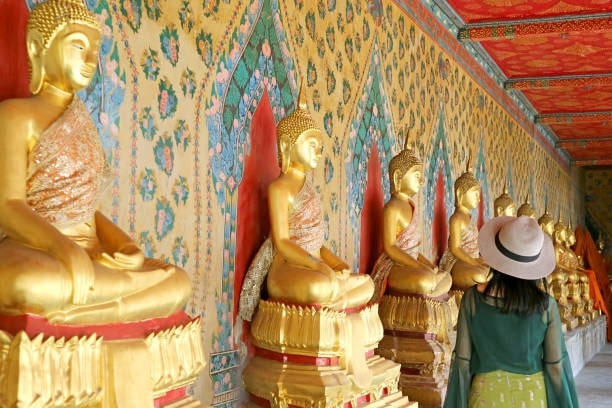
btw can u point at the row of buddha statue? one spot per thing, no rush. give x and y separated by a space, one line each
568 284
416 299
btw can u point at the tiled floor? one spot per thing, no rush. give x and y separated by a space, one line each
594 381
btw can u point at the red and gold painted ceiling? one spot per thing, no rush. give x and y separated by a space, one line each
556 57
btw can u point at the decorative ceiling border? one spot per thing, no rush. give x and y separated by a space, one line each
438 20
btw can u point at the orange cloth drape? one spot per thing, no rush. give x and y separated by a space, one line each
596 270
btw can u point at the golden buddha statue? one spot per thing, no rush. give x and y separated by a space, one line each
408 271
60 258
503 205
112 321
579 292
316 310
417 313
462 258
301 269
562 275
547 223
526 209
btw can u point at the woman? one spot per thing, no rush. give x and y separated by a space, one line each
510 350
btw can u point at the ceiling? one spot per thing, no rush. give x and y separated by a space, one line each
556 58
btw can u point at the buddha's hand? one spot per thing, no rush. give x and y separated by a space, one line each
128 257
326 270
79 265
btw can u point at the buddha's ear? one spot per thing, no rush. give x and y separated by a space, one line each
284 154
36 50
396 179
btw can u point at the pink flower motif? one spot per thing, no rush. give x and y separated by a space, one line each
161 217
244 28
265 49
173 46
223 75
231 182
164 101
168 158
104 118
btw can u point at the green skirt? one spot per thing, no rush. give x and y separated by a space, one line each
501 389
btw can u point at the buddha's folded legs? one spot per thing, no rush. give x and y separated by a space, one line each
414 281
466 275
36 283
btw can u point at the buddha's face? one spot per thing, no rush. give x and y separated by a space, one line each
412 181
70 62
306 152
471 198
505 211
548 227
560 236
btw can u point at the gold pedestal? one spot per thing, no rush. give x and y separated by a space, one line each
310 357
89 371
420 335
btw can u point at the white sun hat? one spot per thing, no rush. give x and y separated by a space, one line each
517 246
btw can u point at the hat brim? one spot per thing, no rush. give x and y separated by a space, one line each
537 269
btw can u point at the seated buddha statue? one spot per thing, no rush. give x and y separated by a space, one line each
579 292
462 258
407 271
300 269
503 205
526 209
547 223
60 258
561 275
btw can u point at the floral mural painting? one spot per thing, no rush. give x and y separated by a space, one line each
258 60
372 125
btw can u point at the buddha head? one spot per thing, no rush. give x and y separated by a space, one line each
547 223
298 137
58 31
405 171
526 209
503 205
467 189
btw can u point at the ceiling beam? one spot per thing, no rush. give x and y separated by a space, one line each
565 118
582 81
594 143
504 30
592 162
